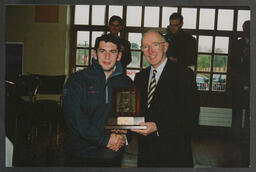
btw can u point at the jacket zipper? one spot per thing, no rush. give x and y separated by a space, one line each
106 94
107 100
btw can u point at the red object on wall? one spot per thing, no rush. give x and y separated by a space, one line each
46 14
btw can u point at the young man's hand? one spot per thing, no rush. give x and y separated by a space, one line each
116 141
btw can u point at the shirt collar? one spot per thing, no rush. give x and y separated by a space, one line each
160 68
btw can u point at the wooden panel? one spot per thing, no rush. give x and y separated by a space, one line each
46 14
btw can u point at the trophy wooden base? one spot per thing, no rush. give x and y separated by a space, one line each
125 123
126 127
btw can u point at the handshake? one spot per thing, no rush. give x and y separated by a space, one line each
116 141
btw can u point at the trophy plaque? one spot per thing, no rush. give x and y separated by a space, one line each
126 110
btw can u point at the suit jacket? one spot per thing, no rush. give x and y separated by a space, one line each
175 110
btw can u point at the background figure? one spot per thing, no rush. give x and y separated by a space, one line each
172 113
182 46
115 25
87 103
240 70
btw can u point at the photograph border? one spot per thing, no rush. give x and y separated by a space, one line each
250 3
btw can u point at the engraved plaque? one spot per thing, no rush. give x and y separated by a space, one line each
126 110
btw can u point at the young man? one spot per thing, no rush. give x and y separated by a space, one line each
170 105
182 47
115 25
87 102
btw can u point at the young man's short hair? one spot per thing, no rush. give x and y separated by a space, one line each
175 16
115 18
107 38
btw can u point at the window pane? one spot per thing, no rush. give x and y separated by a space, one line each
243 15
221 44
204 63
82 14
98 14
206 18
225 20
151 17
135 40
94 36
82 56
167 11
220 63
115 10
135 59
82 39
189 18
131 73
202 81
205 44
219 82
133 16
145 63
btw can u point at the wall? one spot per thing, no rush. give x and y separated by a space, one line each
46 44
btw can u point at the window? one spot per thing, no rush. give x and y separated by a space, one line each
207 18
151 17
211 26
189 18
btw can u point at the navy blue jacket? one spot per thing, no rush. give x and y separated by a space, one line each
87 103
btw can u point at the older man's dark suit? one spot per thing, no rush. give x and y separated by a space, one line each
175 109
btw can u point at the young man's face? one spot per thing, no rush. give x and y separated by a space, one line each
107 54
115 27
154 48
175 25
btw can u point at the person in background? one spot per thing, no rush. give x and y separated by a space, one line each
115 25
87 103
240 70
170 105
182 46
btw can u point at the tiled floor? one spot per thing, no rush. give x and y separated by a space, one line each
207 152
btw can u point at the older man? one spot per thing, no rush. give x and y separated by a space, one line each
170 104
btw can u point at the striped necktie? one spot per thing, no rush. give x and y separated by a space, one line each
152 88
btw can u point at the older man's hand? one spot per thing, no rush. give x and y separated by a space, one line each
151 128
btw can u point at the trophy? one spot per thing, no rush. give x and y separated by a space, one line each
126 110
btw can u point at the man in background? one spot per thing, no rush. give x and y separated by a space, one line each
182 46
115 25
240 70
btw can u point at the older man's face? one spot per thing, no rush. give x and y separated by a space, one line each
154 48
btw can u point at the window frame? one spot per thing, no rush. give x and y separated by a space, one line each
131 29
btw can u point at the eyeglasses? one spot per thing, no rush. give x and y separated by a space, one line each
154 46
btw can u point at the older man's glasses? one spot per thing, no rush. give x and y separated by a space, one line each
154 46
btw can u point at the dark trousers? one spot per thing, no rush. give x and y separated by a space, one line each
72 161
